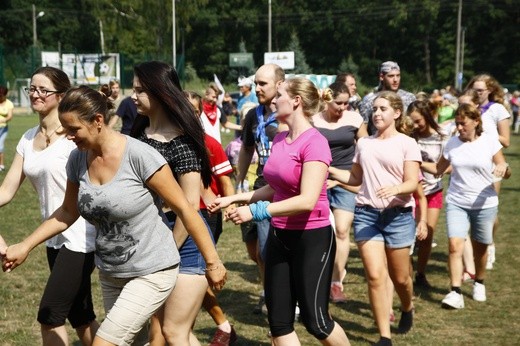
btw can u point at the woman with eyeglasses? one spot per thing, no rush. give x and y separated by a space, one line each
495 121
41 156
6 114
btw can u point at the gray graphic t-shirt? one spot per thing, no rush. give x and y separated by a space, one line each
132 238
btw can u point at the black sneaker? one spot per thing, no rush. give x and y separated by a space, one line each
406 322
421 281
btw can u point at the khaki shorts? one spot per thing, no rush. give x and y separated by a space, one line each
130 302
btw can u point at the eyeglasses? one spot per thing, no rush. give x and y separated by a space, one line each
480 90
41 92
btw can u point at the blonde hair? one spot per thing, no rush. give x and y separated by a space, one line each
310 95
396 103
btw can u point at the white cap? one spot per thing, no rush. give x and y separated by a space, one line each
244 81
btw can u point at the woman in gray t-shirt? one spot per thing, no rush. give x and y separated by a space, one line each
115 182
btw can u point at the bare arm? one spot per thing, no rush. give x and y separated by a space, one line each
502 169
164 184
436 168
422 217
354 177
12 181
305 201
504 132
232 126
189 183
409 184
362 131
8 117
58 222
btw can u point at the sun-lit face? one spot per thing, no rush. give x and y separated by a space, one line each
284 102
115 90
384 116
391 80
210 96
482 91
466 127
265 85
351 85
81 133
141 98
39 103
419 123
338 105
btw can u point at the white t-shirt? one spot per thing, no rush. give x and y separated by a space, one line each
212 130
432 148
46 171
471 181
490 119
382 161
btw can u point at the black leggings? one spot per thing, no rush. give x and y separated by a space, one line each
298 268
68 292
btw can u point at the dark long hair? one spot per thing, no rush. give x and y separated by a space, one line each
58 78
428 110
161 81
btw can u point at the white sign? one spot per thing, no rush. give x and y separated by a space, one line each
283 59
85 68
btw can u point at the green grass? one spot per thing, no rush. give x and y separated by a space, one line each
495 322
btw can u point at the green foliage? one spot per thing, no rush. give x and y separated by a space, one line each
300 64
419 34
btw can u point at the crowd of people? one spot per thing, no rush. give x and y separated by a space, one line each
150 176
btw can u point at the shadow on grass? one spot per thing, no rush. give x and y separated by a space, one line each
241 340
247 271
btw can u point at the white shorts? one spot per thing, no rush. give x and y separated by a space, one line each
130 302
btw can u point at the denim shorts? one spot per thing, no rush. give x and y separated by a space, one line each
256 230
339 198
192 262
480 221
393 226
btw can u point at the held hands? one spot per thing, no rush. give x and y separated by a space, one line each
421 230
15 255
500 170
239 215
219 203
387 192
332 183
216 275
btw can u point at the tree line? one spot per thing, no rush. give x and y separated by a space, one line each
332 36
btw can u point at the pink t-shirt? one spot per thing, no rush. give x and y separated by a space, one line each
283 173
382 161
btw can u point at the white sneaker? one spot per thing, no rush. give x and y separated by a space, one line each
491 253
453 300
479 292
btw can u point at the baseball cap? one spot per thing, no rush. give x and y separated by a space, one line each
388 66
244 81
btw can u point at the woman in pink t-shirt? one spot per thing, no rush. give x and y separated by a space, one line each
386 166
301 245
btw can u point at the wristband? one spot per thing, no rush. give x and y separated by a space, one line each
259 210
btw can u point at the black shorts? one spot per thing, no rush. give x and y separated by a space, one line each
68 293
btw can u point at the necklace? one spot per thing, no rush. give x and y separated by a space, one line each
48 137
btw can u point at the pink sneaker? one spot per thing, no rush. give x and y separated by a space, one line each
336 295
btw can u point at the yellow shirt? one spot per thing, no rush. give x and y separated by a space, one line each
4 110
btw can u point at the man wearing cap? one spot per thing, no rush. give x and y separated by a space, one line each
245 84
389 80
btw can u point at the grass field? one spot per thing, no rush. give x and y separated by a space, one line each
495 322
